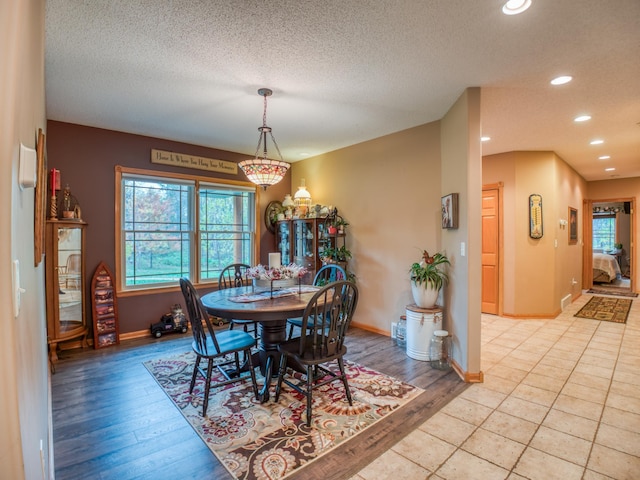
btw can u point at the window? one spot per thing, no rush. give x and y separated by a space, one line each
225 236
173 227
604 232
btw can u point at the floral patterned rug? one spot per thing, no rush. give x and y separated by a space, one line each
270 441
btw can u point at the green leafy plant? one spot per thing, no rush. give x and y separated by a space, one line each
430 270
340 221
336 255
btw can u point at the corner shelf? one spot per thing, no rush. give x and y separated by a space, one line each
106 330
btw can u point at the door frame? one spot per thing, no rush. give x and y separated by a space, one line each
587 235
499 186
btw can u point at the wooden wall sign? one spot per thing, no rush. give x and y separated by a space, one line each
191 161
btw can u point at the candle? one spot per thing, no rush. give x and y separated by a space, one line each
274 260
53 181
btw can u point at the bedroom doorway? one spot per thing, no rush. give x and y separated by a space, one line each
609 246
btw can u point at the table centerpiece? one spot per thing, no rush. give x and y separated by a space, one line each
282 276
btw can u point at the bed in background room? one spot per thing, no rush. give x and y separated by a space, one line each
605 268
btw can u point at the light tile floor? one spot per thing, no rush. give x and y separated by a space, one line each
560 400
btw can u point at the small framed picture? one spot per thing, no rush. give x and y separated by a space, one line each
573 226
450 211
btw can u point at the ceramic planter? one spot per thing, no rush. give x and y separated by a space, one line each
424 295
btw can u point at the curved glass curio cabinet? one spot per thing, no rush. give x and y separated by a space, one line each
65 267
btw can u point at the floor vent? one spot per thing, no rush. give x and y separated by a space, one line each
565 302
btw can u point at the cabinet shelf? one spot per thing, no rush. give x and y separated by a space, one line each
106 331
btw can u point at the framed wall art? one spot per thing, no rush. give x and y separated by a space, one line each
450 211
40 200
535 215
573 226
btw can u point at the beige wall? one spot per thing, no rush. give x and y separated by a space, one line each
388 189
24 413
549 264
461 173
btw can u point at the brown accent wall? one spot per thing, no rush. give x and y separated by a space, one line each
86 158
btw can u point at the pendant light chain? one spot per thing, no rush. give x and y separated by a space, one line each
264 129
260 170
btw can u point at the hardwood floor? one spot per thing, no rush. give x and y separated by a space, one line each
112 421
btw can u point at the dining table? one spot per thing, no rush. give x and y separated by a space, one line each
270 309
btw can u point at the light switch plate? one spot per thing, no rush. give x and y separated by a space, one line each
27 172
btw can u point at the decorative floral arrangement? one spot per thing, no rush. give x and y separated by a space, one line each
282 272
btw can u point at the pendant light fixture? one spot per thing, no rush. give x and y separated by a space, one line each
261 170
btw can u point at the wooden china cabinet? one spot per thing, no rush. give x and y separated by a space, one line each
302 241
65 283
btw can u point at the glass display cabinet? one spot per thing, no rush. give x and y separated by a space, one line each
65 283
304 242
305 251
283 241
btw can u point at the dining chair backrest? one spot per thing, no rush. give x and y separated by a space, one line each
74 263
331 272
234 275
326 320
197 314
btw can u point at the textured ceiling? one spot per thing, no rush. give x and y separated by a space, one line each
347 71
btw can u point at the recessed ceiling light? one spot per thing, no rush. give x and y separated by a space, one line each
304 154
610 169
604 157
514 7
597 142
485 139
582 118
561 80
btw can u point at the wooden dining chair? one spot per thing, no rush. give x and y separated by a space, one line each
234 275
210 346
330 312
327 274
71 273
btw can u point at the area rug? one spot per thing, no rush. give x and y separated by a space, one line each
271 440
607 309
605 290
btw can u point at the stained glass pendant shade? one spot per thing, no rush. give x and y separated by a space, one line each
261 170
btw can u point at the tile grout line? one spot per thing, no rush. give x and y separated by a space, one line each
604 403
539 424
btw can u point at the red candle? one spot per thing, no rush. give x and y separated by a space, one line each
55 180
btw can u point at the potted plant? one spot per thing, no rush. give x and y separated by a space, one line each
340 223
336 255
336 224
427 278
